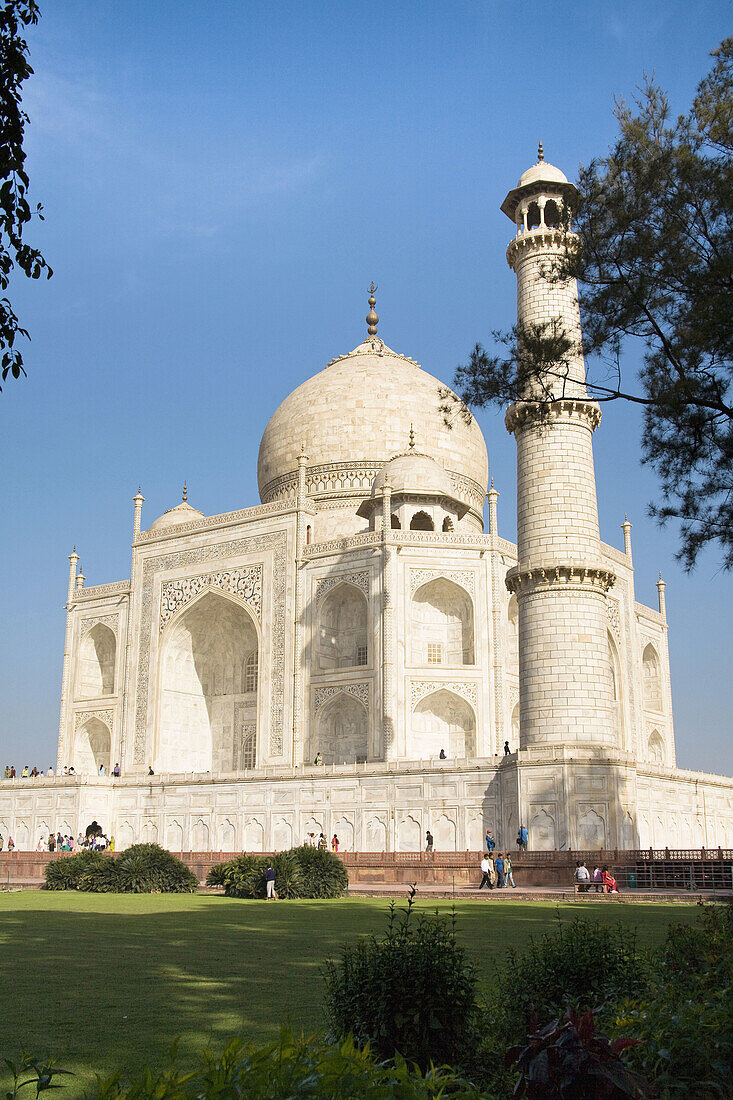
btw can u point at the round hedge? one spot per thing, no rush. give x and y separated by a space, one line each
299 873
141 869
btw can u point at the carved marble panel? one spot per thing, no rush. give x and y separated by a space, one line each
360 691
112 621
420 688
82 716
361 580
246 583
463 577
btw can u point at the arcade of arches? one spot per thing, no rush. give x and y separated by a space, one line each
208 697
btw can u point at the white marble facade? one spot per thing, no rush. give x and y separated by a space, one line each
362 613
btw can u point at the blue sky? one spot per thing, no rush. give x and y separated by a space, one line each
221 182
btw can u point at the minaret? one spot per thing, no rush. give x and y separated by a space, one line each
560 580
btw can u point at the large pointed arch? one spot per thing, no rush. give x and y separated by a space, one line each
442 624
444 721
343 628
206 696
343 730
97 657
92 747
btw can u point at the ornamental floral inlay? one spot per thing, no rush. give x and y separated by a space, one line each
614 618
359 691
83 716
112 621
420 688
361 580
245 583
465 578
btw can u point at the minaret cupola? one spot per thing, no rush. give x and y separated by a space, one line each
539 199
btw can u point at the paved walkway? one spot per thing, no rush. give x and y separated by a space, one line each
531 893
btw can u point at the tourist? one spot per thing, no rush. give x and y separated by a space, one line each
111 845
11 844
80 841
318 760
71 770
610 885
150 770
71 843
442 755
25 772
499 865
490 842
7 772
335 843
322 843
428 841
582 878
598 879
2 842
116 771
508 871
101 769
492 871
507 750
51 842
34 772
522 838
270 880
49 773
485 876
12 771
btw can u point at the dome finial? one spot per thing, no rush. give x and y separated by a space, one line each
371 318
540 152
412 438
185 492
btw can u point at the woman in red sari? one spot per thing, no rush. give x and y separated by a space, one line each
610 886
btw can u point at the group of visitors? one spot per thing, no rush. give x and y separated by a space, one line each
601 879
496 872
58 842
320 842
11 843
27 773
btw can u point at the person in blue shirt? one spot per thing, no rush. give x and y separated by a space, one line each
490 842
522 837
499 865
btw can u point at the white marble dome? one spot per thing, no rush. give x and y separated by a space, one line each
182 513
543 172
355 415
414 473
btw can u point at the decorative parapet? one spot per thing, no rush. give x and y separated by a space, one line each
576 577
226 519
537 240
571 408
452 539
648 613
245 583
368 538
100 591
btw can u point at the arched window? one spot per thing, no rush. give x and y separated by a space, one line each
652 679
342 629
250 672
421 521
92 748
533 216
442 625
442 720
552 214
308 533
97 663
447 524
396 525
208 687
656 748
247 747
342 731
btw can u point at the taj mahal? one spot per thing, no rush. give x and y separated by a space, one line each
362 617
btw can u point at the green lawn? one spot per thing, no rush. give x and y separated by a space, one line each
106 980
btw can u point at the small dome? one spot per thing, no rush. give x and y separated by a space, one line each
414 473
182 513
543 172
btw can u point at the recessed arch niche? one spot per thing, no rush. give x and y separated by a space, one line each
652 674
92 747
208 686
97 663
342 628
656 748
617 690
442 625
342 735
442 720
513 635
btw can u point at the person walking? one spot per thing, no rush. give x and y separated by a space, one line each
522 838
508 871
499 865
270 880
485 876
335 843
507 750
428 841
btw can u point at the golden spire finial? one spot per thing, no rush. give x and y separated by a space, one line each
371 318
540 152
185 492
412 438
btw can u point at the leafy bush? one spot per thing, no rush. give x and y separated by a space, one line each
141 869
65 872
299 873
306 1068
410 993
572 1059
685 1021
578 964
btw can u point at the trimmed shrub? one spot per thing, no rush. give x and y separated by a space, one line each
66 872
579 964
410 993
141 869
299 873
